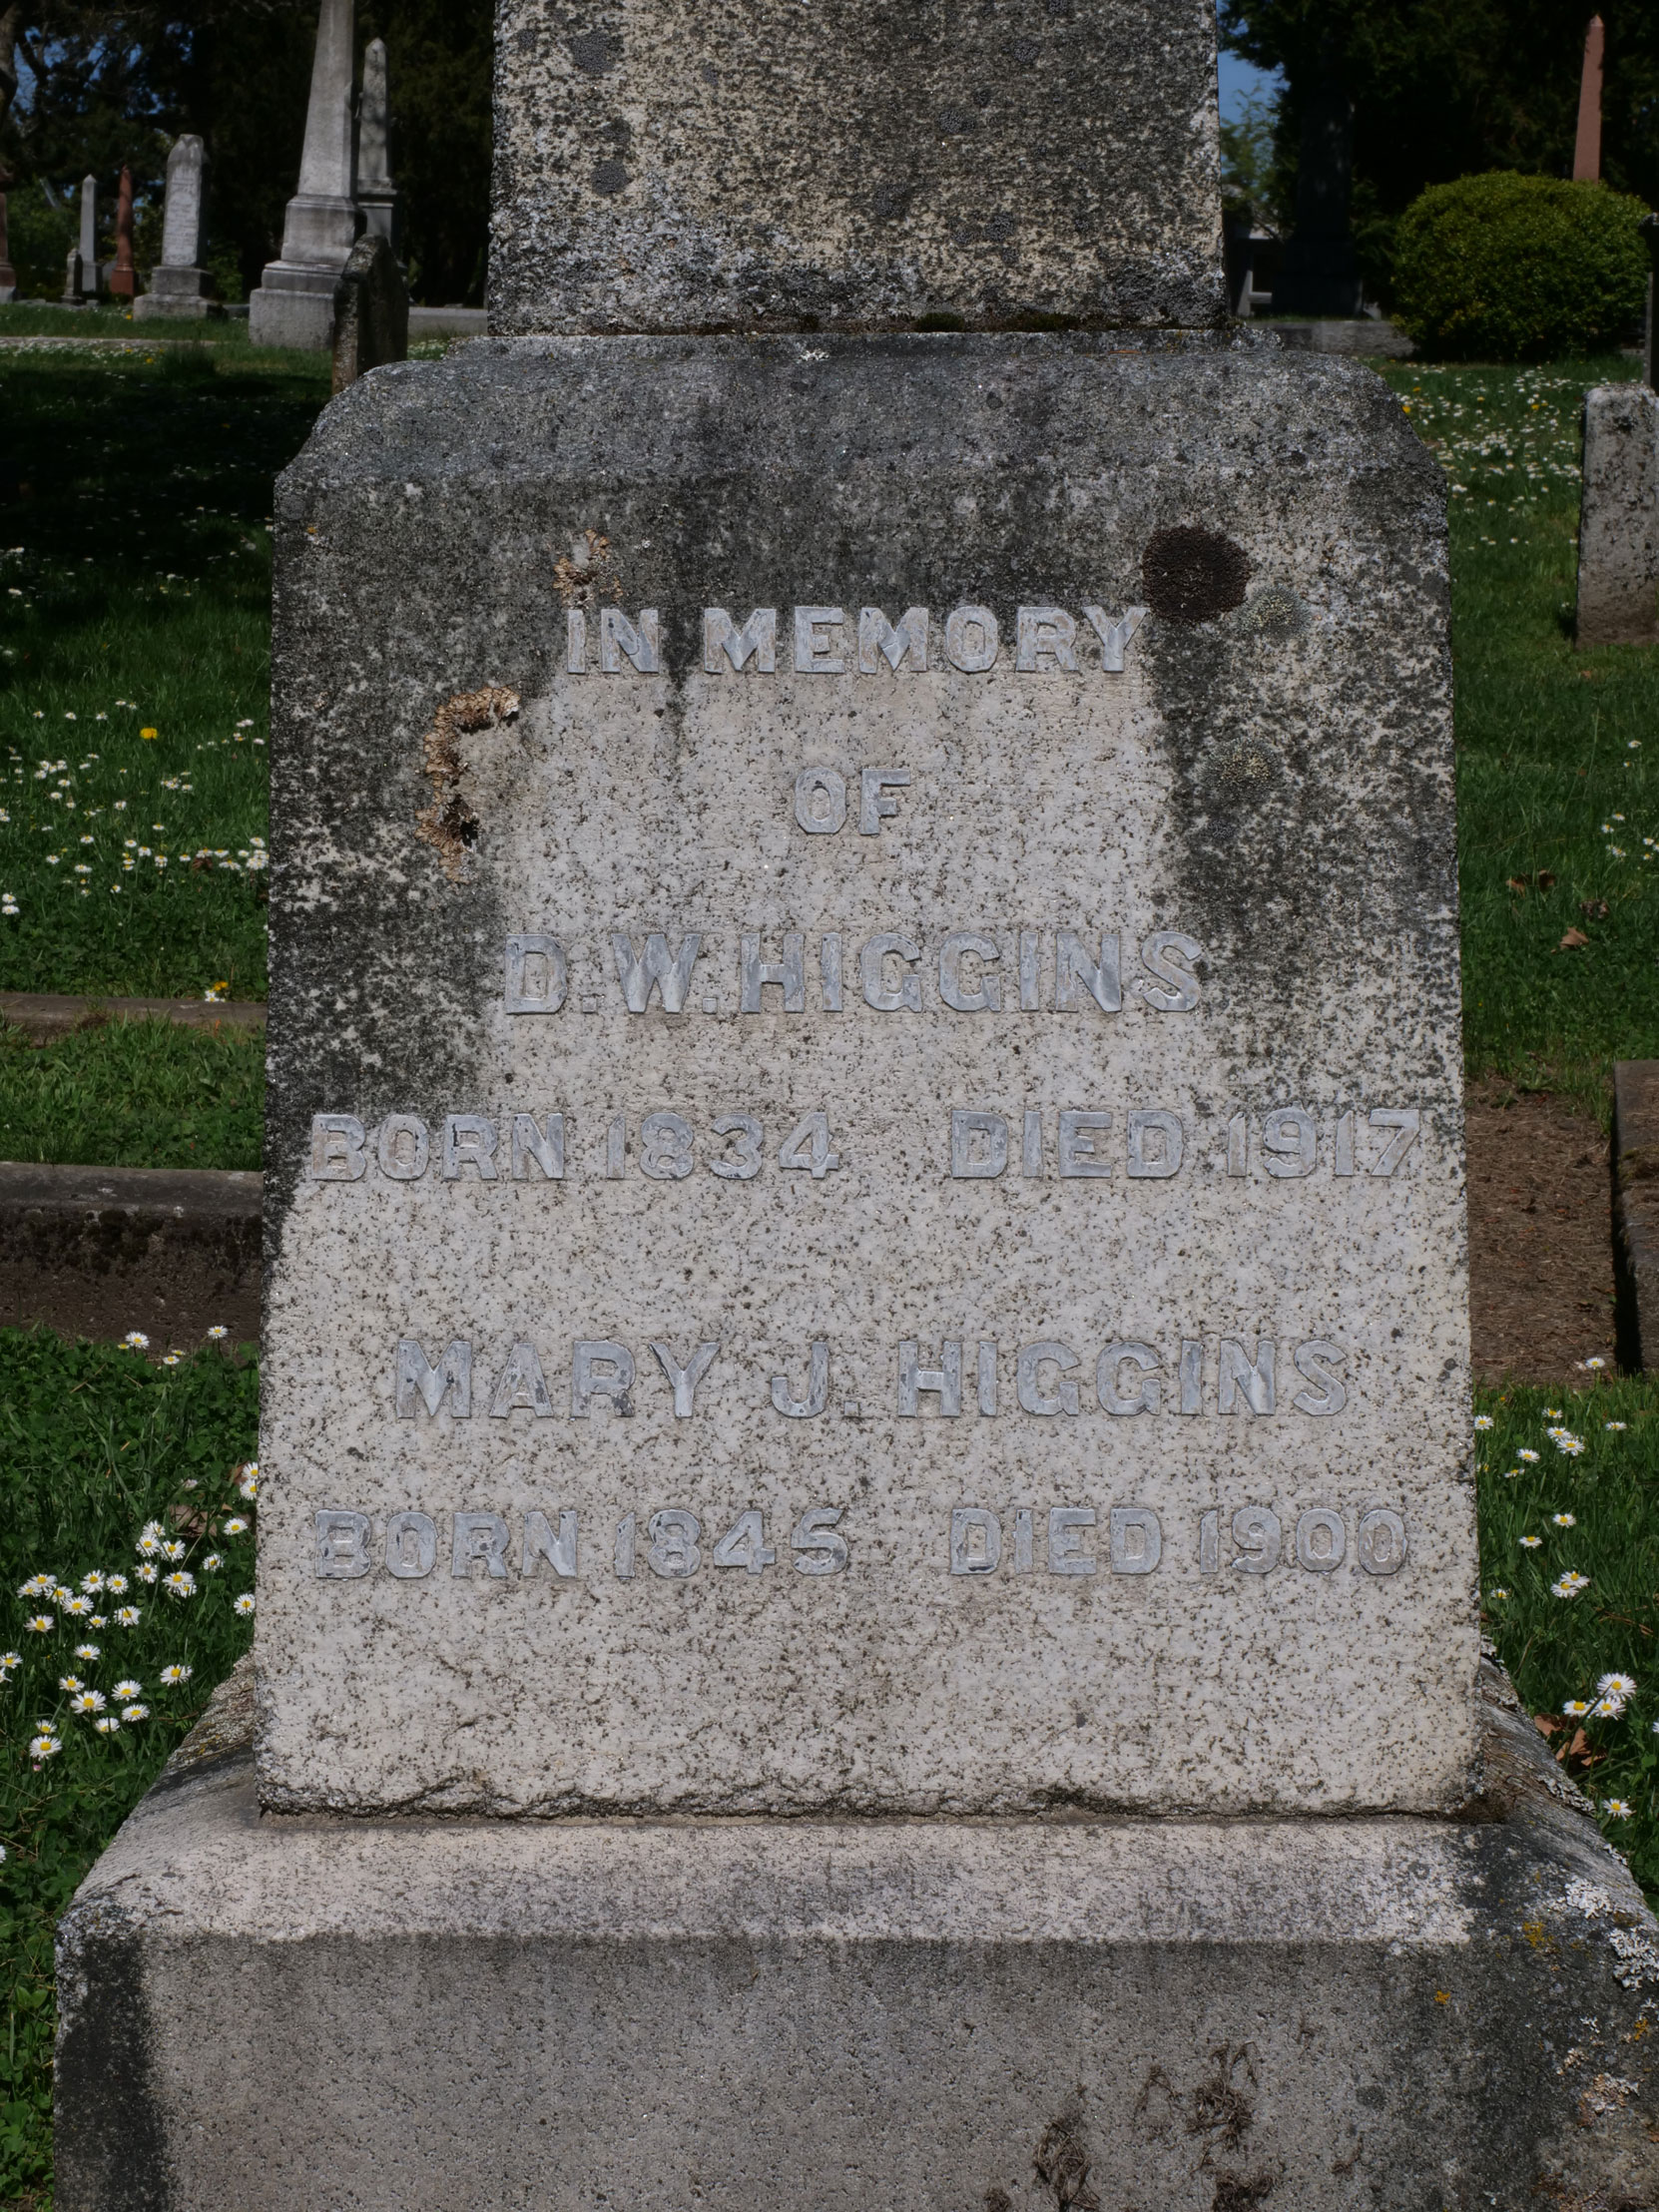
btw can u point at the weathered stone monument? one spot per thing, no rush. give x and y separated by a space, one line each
81 279
868 1577
1618 521
294 303
180 287
8 274
372 312
376 193
123 278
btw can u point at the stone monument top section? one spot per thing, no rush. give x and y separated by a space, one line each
763 164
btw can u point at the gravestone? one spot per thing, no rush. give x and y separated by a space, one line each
122 282
868 1579
8 274
372 312
180 287
81 278
294 303
1618 522
376 193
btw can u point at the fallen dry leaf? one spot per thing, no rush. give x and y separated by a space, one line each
1594 909
1546 1724
1573 941
1546 878
1516 883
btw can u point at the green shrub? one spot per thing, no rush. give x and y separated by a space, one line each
1503 267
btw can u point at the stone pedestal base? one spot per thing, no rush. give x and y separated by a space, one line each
293 306
176 294
876 2017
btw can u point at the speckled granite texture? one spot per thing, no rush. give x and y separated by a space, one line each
1168 1260
289 2015
758 163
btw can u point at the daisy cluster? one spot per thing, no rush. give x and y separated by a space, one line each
103 1647
1520 435
1620 836
76 817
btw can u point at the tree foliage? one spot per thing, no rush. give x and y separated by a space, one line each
97 85
1449 88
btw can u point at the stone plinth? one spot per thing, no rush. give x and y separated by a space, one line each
690 167
1618 525
864 1164
415 2015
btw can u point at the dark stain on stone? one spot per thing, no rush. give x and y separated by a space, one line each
111 2137
1192 575
998 2200
610 178
1220 2108
1238 2192
1062 2164
594 52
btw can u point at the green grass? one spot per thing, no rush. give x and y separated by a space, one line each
94 1443
1559 1648
146 1094
1553 743
135 591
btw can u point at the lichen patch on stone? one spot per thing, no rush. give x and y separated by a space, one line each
448 824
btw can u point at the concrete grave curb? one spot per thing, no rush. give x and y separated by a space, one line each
43 1015
96 1252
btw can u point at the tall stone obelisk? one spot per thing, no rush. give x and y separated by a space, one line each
295 302
376 193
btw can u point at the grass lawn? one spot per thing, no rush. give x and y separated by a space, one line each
146 1094
1557 748
134 593
98 1444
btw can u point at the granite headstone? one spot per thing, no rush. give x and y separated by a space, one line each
294 303
865 1230
178 285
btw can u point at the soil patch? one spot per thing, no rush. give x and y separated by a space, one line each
1540 1238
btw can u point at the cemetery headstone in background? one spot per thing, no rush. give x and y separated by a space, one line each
376 193
294 303
178 285
371 311
1618 526
81 278
865 1217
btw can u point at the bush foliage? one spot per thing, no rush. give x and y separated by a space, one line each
1504 268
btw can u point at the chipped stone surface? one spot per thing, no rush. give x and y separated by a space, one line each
1267 776
669 166
298 2012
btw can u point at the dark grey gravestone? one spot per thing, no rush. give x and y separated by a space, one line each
371 311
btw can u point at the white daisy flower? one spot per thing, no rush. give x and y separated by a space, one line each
127 1689
243 1604
1570 1584
177 1674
